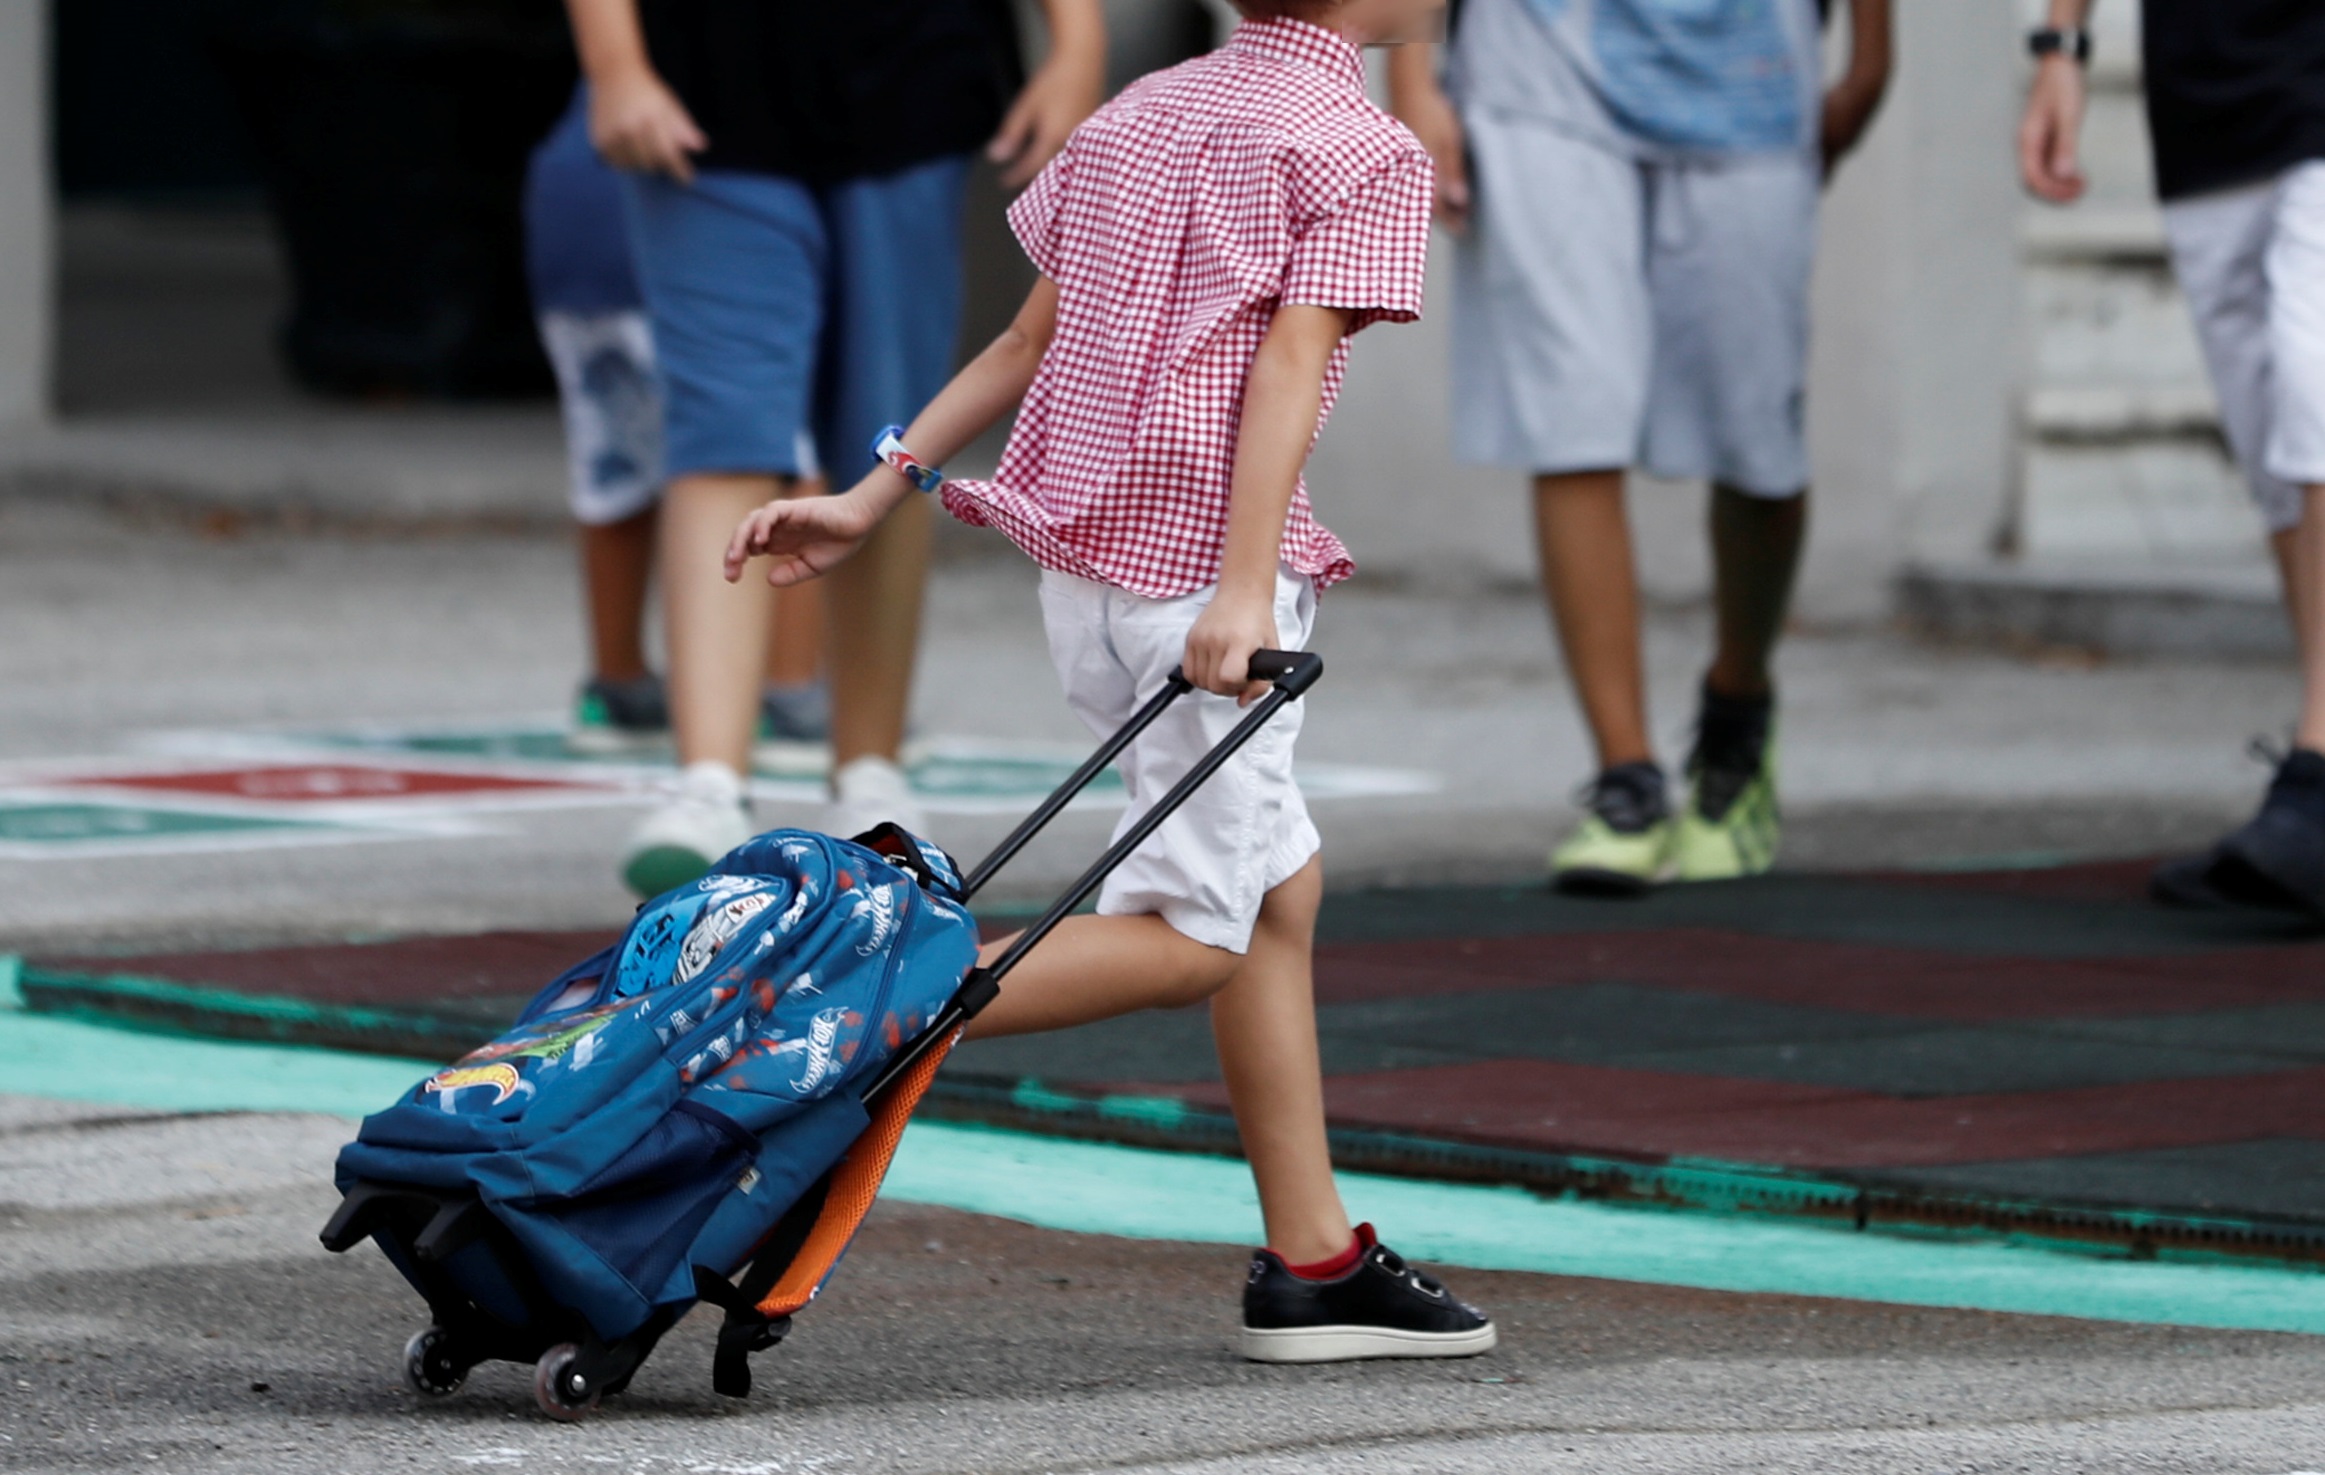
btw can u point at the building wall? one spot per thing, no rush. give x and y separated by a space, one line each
27 251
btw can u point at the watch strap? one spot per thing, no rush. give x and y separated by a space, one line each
2073 42
888 446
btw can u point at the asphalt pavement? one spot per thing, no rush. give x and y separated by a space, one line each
164 1305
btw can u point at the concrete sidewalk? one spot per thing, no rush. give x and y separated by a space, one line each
123 629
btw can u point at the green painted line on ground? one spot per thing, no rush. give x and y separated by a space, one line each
1102 1189
71 1060
1097 1189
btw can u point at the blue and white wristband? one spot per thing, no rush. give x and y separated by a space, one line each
888 446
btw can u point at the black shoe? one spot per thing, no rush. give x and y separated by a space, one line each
2277 858
2185 881
1380 1307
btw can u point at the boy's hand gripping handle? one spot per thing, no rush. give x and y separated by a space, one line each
1293 672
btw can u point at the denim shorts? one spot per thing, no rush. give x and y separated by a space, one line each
780 309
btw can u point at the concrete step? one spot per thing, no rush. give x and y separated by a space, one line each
2104 413
2115 608
2113 230
2109 320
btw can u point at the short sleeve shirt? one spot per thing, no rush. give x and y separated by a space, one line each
1174 223
1651 78
2235 90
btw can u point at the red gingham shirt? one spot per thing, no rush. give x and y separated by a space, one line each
1174 222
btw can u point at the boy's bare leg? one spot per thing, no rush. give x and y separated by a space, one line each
617 560
1755 545
1593 590
875 635
1263 1015
1264 1021
1093 968
717 630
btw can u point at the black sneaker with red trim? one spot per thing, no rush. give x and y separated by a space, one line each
1378 1307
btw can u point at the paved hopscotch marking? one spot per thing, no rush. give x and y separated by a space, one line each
237 790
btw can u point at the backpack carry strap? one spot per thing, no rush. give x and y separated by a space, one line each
744 1331
805 1245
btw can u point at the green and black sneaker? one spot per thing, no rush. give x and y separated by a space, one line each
1624 841
615 718
1731 826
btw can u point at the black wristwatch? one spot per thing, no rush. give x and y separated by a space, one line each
2069 41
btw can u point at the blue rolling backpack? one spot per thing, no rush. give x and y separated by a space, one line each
704 1111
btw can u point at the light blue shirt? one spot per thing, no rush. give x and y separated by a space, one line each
1655 77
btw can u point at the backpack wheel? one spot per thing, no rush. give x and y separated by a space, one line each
430 1369
554 1384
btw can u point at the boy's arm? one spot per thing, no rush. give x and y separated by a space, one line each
635 120
2053 126
1281 400
808 535
1850 102
1420 103
1059 95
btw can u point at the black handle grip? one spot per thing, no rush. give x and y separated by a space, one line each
1293 671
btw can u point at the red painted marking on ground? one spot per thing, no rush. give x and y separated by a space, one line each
311 783
1914 983
1544 1105
413 971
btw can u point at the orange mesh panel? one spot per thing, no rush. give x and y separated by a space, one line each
855 1183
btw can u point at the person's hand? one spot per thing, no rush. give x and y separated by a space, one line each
1434 121
637 123
1052 105
805 536
1848 110
1220 646
2049 137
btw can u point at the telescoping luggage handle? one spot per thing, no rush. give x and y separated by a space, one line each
1292 673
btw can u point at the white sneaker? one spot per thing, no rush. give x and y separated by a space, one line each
678 842
868 791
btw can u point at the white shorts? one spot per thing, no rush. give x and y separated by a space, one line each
2251 262
612 411
1242 834
1612 312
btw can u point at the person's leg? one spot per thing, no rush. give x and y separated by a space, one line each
2278 857
732 270
894 319
873 633
1755 547
617 565
612 418
1552 338
717 631
2219 246
1591 581
1264 1021
1732 247
2298 583
2304 577
795 645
